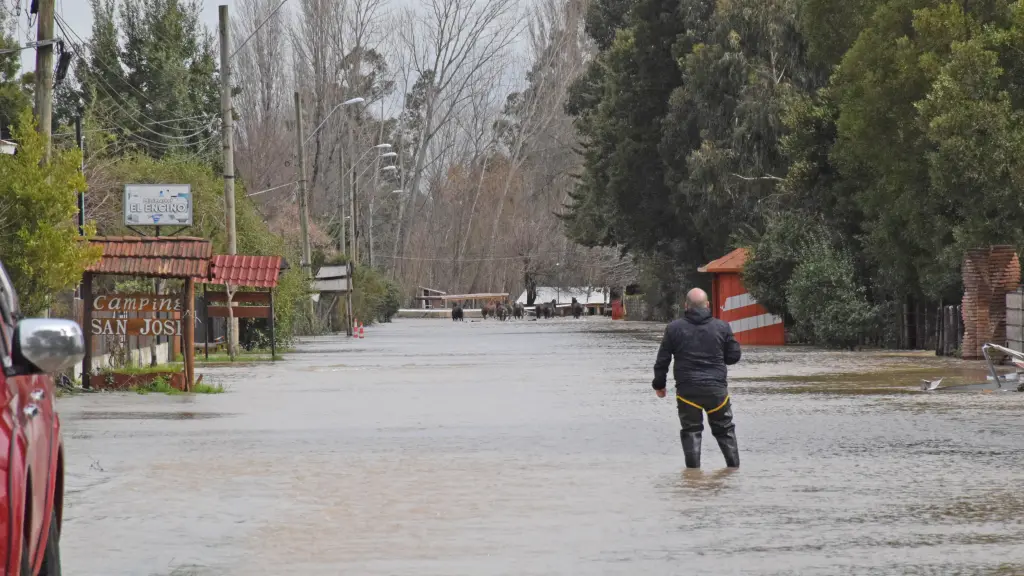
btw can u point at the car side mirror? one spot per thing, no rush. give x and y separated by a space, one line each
47 345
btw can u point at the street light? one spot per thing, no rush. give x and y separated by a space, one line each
349 102
389 155
372 194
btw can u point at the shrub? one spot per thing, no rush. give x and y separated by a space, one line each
773 258
823 297
376 298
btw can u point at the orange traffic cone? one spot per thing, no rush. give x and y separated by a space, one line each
361 335
355 328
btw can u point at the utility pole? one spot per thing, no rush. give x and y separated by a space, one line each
373 192
80 139
353 250
227 137
227 128
351 174
44 75
341 204
342 247
307 264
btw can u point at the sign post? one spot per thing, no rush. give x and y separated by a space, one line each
157 205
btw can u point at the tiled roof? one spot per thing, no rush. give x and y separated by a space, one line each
257 271
168 257
731 262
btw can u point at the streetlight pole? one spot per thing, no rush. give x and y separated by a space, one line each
352 228
371 219
349 102
303 209
373 193
351 175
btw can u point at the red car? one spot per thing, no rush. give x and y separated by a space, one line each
31 450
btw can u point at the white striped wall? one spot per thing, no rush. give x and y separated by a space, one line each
754 322
734 302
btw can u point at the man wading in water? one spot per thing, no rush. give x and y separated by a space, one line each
703 346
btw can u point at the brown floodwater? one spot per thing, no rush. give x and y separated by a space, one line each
538 448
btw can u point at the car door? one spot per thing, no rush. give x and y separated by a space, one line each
36 412
36 417
15 477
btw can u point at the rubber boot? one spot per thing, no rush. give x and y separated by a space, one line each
731 451
691 448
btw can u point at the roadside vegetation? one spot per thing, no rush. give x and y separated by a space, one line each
857 148
162 386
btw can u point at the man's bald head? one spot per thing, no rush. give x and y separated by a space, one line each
696 298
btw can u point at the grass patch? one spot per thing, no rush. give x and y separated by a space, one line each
134 370
224 357
220 358
158 385
161 385
202 388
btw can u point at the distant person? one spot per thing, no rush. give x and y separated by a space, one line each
702 346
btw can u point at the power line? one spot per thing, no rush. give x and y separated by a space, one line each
128 113
64 26
208 117
257 29
272 189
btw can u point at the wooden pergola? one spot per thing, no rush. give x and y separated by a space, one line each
172 257
248 272
475 299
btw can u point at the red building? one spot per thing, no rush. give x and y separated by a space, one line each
730 301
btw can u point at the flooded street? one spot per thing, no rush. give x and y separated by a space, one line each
539 448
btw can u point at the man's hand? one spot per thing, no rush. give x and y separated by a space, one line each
660 393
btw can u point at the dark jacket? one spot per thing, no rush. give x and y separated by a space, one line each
702 346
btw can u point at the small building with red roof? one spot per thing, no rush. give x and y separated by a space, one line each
751 323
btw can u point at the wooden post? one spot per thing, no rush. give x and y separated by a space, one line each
206 326
190 333
87 328
307 258
273 321
44 75
80 139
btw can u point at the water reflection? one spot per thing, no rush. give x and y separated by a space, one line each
538 448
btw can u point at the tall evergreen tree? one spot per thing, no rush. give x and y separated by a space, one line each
159 88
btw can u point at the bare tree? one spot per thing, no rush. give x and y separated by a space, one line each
261 74
449 46
485 152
